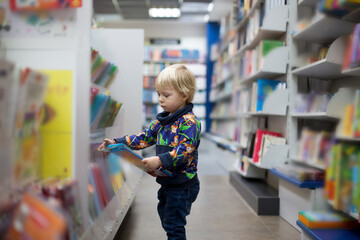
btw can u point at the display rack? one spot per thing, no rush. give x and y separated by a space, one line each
67 51
273 26
107 223
323 30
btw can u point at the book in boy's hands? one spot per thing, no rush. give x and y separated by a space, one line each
323 219
125 153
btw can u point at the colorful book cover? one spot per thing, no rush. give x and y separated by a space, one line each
69 194
264 88
266 46
330 177
258 142
56 126
16 5
94 192
116 173
356 121
348 120
322 219
126 154
343 184
37 219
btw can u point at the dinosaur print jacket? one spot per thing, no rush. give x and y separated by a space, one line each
177 138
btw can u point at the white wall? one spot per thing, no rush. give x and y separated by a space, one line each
162 29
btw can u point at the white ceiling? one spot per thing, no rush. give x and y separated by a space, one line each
136 10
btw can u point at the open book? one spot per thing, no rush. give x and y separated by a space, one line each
126 154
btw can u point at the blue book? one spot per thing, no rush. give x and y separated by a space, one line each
264 88
126 154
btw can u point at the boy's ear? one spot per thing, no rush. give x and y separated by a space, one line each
185 97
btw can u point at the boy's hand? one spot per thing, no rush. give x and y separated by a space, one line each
106 143
152 163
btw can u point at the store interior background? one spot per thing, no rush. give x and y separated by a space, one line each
241 198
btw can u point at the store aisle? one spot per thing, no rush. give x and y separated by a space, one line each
219 213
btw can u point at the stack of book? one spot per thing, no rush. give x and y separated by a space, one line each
103 72
352 52
104 109
326 220
342 185
49 209
338 7
302 174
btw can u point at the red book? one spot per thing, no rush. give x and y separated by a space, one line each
258 139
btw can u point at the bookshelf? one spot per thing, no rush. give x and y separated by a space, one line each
128 121
324 74
306 30
60 51
235 115
157 57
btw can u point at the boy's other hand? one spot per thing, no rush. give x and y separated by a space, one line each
106 143
152 163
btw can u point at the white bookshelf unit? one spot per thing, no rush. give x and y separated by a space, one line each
70 50
302 74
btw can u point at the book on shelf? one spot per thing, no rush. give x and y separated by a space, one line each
16 5
37 218
66 191
126 154
314 147
265 47
346 177
302 173
103 71
258 142
338 7
267 141
356 121
104 109
326 220
264 88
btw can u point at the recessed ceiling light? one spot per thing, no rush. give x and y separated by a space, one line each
164 12
210 7
206 17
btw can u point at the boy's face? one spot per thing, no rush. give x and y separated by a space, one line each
170 100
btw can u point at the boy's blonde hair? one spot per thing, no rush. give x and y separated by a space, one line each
180 78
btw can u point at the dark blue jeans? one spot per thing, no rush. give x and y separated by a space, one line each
173 207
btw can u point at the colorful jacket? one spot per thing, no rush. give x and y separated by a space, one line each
177 138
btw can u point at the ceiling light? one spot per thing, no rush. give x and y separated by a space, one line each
206 17
210 7
164 12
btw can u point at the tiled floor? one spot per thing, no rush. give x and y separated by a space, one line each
219 213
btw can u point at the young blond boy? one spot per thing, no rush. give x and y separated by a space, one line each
176 133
